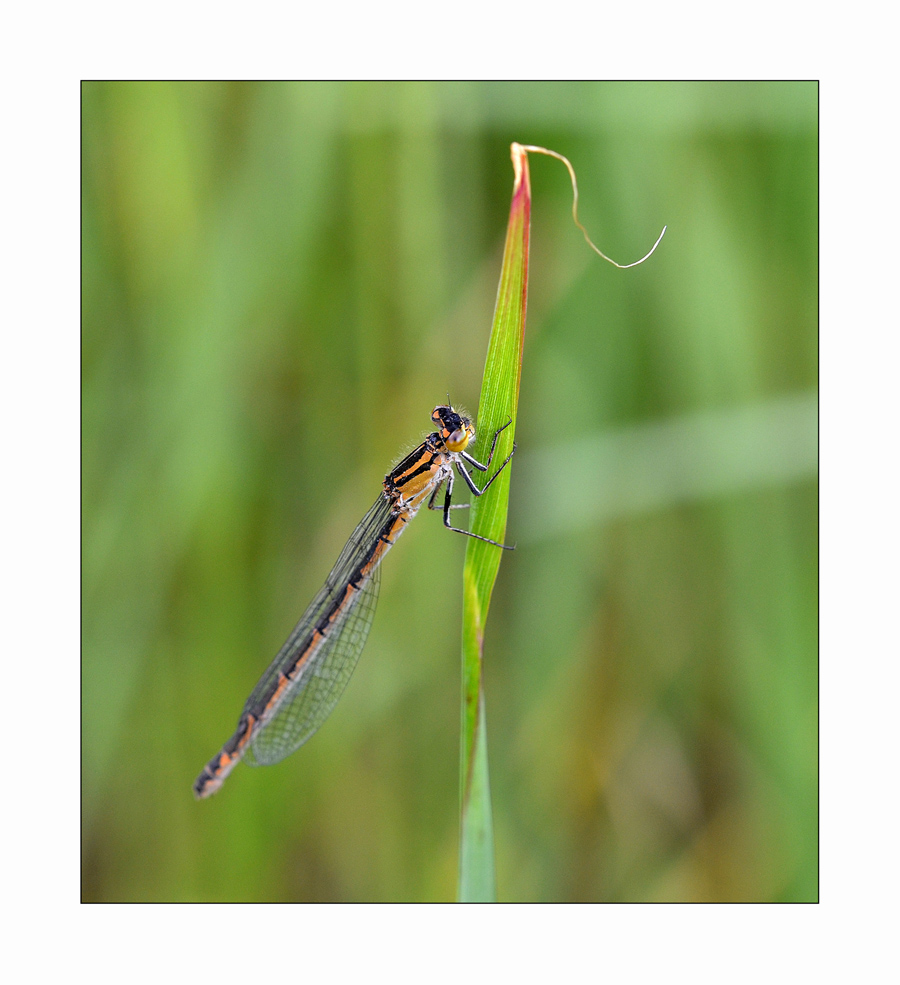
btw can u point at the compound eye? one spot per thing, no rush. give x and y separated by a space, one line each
458 440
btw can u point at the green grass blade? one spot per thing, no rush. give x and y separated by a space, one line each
497 405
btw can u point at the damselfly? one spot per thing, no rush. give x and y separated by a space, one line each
303 683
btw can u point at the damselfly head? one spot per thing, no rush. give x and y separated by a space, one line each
456 430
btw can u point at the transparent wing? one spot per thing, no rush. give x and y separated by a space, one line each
314 694
352 556
296 714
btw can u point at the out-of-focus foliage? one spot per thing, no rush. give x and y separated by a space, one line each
280 282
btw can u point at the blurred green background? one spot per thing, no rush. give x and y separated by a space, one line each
279 283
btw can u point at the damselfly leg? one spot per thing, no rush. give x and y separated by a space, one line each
470 482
